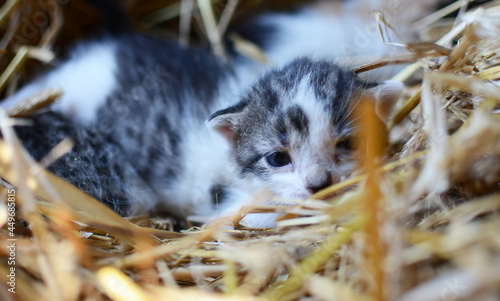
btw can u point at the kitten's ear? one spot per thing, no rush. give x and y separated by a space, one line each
385 94
225 121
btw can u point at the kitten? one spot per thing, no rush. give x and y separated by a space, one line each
163 128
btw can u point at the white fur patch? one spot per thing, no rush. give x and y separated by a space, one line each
314 110
87 79
207 162
343 31
345 34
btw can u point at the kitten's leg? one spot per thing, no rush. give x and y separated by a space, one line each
230 200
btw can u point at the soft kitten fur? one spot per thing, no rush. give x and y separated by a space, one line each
138 107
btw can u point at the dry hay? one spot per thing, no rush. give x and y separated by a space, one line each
424 226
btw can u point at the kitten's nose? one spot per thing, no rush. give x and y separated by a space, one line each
317 181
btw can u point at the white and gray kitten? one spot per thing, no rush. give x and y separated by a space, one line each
159 127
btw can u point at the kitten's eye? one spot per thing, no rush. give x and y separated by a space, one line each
278 159
346 144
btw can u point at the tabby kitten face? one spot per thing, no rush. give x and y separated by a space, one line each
294 130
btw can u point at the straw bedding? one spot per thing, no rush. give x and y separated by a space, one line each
422 226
